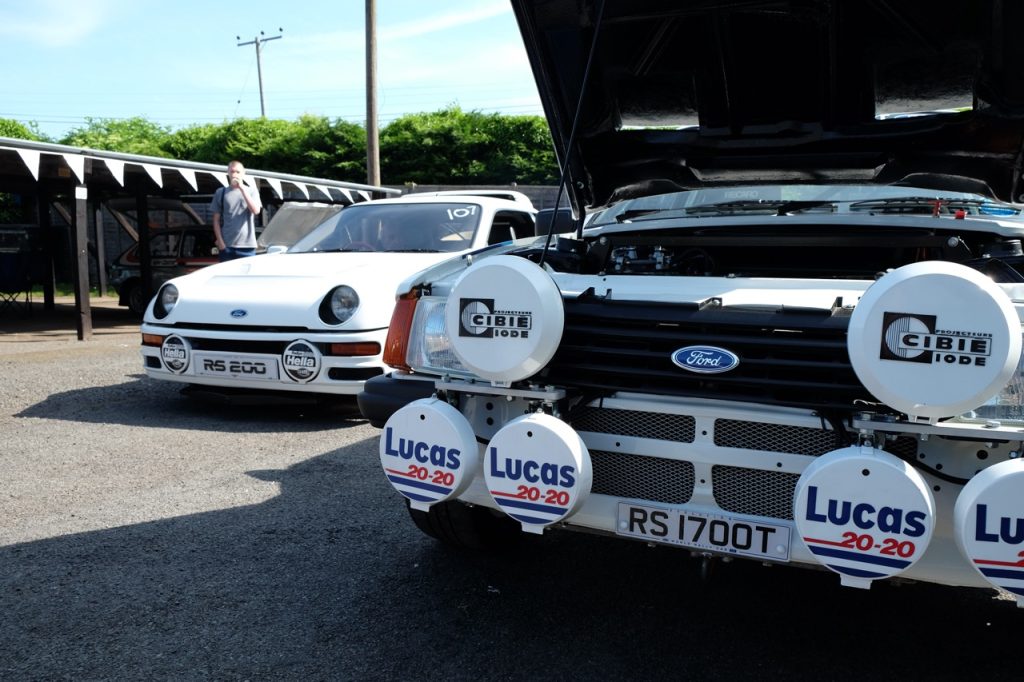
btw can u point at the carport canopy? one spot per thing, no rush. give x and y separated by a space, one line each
47 171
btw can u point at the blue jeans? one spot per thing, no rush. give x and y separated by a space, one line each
231 253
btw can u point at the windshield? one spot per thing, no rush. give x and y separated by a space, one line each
397 227
775 199
294 221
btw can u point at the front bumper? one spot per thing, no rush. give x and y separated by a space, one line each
702 459
256 360
382 396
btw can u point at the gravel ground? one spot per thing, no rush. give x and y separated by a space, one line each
147 536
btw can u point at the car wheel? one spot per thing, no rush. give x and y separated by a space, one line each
463 527
136 300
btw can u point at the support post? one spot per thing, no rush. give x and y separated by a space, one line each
80 263
145 260
46 267
101 251
258 42
372 134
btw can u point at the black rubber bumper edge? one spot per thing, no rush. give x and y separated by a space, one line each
382 396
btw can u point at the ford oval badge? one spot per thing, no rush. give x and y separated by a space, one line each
705 359
239 313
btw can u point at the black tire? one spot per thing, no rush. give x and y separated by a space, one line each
463 527
136 300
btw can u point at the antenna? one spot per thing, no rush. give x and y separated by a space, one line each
258 42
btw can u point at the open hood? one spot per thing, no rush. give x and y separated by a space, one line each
690 93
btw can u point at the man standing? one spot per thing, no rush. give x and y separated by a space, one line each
235 208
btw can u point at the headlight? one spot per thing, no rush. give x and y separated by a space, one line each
339 305
166 299
1008 405
430 349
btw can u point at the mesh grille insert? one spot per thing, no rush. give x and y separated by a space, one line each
798 440
658 425
644 478
737 490
904 447
753 491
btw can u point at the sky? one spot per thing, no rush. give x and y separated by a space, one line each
178 62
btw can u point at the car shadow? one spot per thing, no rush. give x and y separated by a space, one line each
149 403
330 580
585 607
232 593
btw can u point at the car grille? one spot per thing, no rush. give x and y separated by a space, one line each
644 478
185 327
238 346
798 440
752 491
353 373
793 357
657 425
738 490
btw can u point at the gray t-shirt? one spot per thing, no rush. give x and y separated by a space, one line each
237 222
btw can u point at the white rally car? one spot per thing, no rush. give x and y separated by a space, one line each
792 332
313 319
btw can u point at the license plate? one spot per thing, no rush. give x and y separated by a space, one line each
713 532
235 366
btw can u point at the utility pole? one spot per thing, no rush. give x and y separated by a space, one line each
258 42
372 138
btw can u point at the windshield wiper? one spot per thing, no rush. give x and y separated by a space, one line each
771 206
937 205
637 212
767 206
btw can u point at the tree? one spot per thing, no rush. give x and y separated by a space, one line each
193 143
333 150
455 147
129 135
519 147
449 146
20 131
311 146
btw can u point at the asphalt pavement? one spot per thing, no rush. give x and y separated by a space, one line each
147 536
